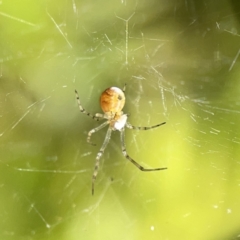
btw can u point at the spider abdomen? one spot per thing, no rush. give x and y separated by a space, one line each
112 100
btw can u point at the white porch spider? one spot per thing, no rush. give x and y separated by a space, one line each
112 101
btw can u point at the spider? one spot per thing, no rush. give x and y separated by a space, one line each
112 101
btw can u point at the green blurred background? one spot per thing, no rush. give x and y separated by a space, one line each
180 60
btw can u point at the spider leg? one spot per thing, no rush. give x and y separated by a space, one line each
96 117
124 87
128 125
95 130
99 155
99 115
131 160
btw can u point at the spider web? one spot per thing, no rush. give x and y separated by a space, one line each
180 61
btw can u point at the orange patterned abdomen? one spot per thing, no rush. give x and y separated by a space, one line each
112 100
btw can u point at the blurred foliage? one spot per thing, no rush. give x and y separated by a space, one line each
180 62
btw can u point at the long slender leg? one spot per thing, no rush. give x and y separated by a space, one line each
130 159
95 130
128 125
97 116
99 155
124 87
